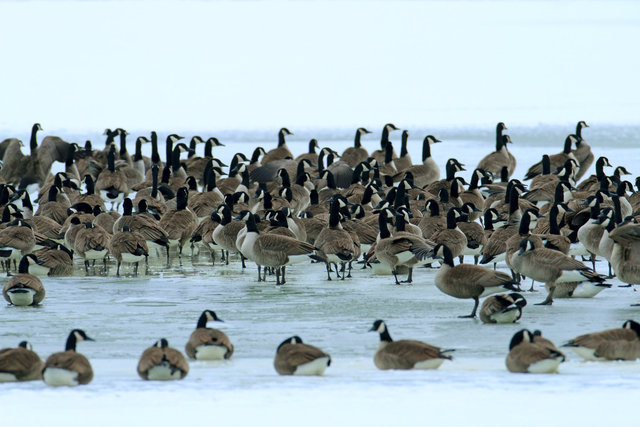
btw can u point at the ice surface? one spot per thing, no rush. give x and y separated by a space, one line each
322 69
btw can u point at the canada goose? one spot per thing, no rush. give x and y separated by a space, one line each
282 151
203 234
582 152
300 194
527 356
91 243
379 155
24 288
161 363
452 236
90 195
196 165
494 162
272 250
311 154
406 354
626 252
433 222
403 162
334 245
54 209
56 260
402 248
428 172
255 160
555 160
180 222
593 346
226 233
473 193
468 281
153 197
128 246
342 172
550 267
592 183
20 364
293 357
112 183
452 167
16 241
473 231
502 308
495 248
68 367
356 154
208 343
590 233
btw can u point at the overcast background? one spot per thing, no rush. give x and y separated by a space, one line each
261 65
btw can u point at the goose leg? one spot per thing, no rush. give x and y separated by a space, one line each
135 269
475 308
395 276
278 276
226 261
549 299
242 258
283 271
328 271
118 269
461 259
532 283
409 277
259 277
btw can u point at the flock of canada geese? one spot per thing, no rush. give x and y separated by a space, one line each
352 211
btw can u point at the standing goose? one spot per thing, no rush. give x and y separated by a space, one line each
404 161
452 167
428 172
590 346
556 160
282 151
311 154
68 367
502 308
56 259
112 183
161 363
128 246
334 245
208 343
473 231
16 241
293 357
528 356
401 249
551 267
226 233
406 354
495 161
91 243
582 152
24 288
20 364
452 236
625 255
468 281
272 250
144 223
179 223
592 183
379 155
356 154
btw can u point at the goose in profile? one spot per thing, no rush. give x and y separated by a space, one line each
582 152
403 162
428 172
208 343
400 249
452 236
502 308
20 364
406 354
625 255
24 288
603 344
281 152
293 357
356 154
494 162
528 356
68 367
161 363
551 267
16 241
55 260
468 281
272 250
556 160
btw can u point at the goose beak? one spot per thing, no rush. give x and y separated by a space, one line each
372 329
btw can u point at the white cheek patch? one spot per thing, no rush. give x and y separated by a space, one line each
381 328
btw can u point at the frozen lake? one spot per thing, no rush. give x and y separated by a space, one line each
126 315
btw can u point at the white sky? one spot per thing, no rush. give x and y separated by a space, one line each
246 65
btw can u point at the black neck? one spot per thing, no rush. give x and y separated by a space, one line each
383 226
138 155
553 220
356 141
71 343
426 149
123 143
33 143
384 336
208 149
202 321
546 165
334 214
403 147
447 256
451 219
155 157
